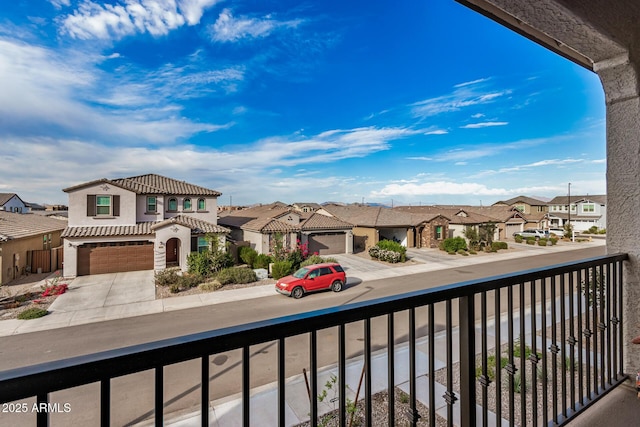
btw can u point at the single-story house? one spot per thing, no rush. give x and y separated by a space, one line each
20 236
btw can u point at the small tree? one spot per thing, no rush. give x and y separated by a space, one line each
277 247
486 232
471 233
568 229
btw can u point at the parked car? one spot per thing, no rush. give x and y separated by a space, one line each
532 232
316 277
557 231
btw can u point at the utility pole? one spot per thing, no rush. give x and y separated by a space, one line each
569 210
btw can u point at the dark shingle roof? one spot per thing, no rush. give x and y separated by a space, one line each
152 184
563 200
16 226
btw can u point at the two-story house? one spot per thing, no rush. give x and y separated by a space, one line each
139 223
583 212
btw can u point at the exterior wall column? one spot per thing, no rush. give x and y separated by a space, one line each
620 81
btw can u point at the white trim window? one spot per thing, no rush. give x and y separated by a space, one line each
152 204
202 204
103 205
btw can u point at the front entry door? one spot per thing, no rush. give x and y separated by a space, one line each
172 252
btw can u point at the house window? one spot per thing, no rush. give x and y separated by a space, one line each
173 204
203 244
152 204
186 204
103 205
588 208
201 205
520 208
438 232
44 242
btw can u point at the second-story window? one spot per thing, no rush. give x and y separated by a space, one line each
201 205
173 204
588 208
152 204
103 205
186 204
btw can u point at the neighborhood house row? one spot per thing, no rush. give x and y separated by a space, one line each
151 222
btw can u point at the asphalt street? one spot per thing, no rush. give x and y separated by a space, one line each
133 403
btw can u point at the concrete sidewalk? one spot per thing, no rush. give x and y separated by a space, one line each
121 295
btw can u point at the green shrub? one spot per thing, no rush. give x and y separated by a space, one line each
262 261
472 252
591 230
390 245
199 263
281 269
542 242
32 313
461 252
174 288
295 257
167 276
499 245
518 239
214 285
187 281
553 240
248 255
315 259
236 275
451 253
603 231
453 244
531 240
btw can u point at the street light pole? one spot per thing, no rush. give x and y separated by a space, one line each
569 211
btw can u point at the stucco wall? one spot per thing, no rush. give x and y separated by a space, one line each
364 238
21 247
78 206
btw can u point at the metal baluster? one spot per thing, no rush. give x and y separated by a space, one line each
281 382
523 359
484 379
342 374
246 387
159 401
449 395
42 417
204 391
413 412
554 350
601 303
587 335
563 350
545 363
498 344
511 367
367 364
432 366
105 402
313 381
467 346
572 342
534 355
391 381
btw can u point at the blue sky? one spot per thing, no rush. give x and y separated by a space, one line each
390 102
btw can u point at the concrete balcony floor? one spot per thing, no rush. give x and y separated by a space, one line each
620 407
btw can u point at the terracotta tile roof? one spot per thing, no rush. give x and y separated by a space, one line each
140 229
196 225
466 214
16 225
318 221
143 228
269 225
372 216
528 200
152 184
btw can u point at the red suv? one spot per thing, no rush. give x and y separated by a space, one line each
316 277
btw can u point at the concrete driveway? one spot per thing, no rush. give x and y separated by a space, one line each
106 290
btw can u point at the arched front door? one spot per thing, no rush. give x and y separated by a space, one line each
173 248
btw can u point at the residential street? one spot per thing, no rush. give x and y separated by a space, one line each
133 403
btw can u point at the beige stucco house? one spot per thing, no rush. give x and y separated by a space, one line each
321 232
138 223
20 235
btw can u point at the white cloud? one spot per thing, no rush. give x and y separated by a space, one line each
66 93
242 168
472 82
460 98
59 3
438 188
437 132
115 21
483 125
228 28
477 115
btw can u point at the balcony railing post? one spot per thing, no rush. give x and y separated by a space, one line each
467 362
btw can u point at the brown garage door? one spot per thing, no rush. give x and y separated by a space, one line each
99 258
327 244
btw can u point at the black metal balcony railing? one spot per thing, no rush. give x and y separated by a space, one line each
556 349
